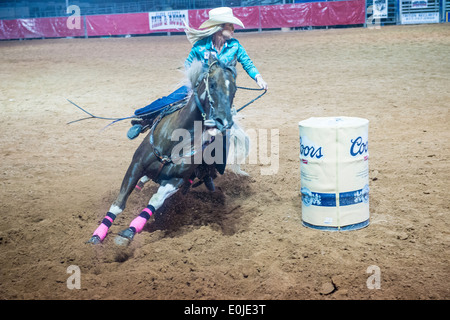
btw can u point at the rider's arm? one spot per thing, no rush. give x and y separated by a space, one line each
250 68
246 62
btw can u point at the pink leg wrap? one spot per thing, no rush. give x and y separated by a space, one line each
106 217
101 231
148 211
138 223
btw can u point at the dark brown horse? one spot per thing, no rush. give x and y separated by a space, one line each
172 164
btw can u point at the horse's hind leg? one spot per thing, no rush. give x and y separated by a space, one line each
141 183
167 189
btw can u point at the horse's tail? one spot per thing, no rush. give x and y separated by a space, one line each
238 150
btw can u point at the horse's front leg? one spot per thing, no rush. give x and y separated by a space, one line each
128 183
167 189
134 173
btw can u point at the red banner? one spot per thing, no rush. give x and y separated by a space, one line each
285 16
258 17
39 28
293 15
248 15
117 24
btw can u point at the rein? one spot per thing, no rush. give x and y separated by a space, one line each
91 116
163 159
252 89
197 102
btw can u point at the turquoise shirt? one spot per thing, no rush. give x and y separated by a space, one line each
203 48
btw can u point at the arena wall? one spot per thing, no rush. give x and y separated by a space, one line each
350 12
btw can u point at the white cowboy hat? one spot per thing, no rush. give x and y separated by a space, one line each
220 16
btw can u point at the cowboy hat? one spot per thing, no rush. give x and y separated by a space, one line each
219 16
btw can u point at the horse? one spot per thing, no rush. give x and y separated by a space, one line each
207 109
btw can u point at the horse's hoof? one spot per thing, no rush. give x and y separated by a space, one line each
208 181
94 240
125 236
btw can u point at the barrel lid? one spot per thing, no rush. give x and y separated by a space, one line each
326 122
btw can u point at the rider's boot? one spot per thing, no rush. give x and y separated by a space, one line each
138 126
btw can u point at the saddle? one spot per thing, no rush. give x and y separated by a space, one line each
148 114
163 102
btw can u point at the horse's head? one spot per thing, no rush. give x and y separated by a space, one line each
216 93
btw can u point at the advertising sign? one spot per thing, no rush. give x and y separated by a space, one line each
168 20
380 9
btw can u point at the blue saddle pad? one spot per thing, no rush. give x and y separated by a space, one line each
160 103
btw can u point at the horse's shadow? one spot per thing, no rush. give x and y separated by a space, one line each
220 209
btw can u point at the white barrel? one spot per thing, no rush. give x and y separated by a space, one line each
334 166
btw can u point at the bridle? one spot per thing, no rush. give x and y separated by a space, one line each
208 122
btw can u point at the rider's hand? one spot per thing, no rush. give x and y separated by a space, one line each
261 83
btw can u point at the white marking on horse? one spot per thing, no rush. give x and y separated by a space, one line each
115 209
163 193
212 132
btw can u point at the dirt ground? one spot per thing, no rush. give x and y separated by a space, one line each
246 240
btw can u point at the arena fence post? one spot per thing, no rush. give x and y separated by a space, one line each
259 17
365 15
443 5
397 12
85 27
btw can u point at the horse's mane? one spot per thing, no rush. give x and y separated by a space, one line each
197 69
193 73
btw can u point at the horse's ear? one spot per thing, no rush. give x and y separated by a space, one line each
212 59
